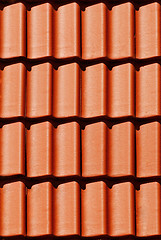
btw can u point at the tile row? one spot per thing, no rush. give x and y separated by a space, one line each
68 31
99 210
71 92
117 152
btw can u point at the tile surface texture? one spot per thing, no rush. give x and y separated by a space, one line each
80 119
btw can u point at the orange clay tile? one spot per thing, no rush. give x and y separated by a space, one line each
120 210
120 41
148 148
94 31
148 210
94 148
13 31
39 91
12 209
66 91
66 209
148 32
12 91
12 149
94 91
39 149
39 31
121 150
148 91
66 31
120 91
94 209
39 210
66 149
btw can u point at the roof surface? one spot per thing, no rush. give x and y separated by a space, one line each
80 111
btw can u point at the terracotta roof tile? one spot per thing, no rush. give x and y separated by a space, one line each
39 91
94 31
121 211
39 210
13 31
66 209
12 149
39 149
148 210
66 149
66 91
120 32
66 31
148 150
148 31
39 31
120 91
121 150
94 209
12 91
12 214
80 119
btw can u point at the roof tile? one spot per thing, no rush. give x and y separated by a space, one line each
121 212
39 210
94 85
66 149
66 209
94 31
12 209
12 149
39 31
66 91
121 31
39 149
148 155
148 32
66 31
92 136
148 210
94 209
120 91
148 94
39 91
12 91
13 31
121 150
